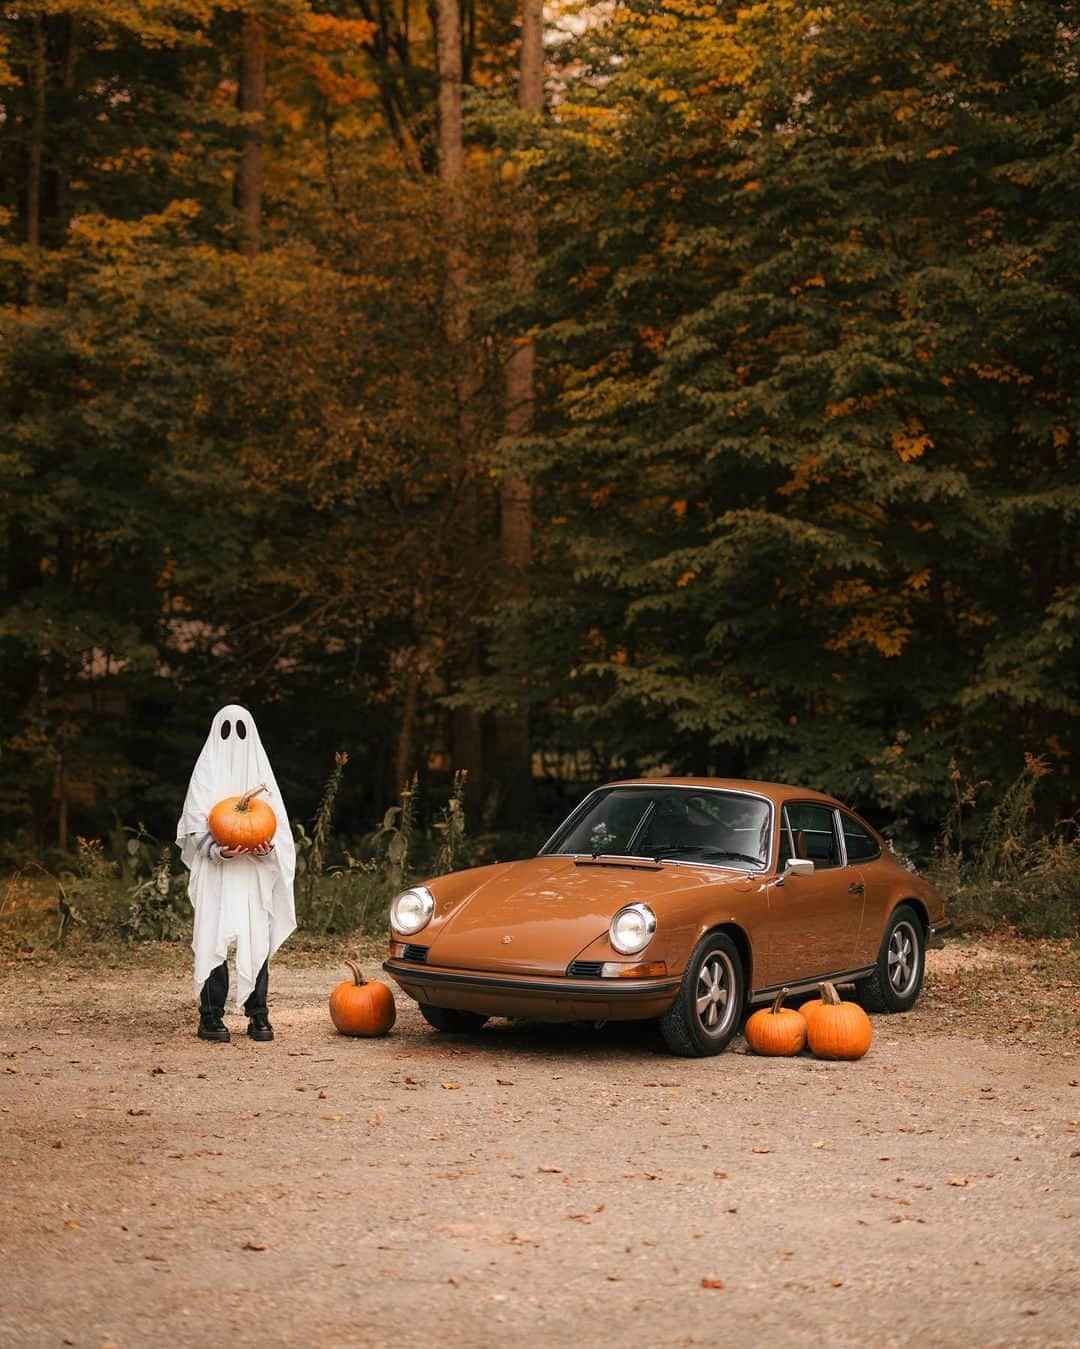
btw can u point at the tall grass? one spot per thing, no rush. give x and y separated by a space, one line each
997 870
141 895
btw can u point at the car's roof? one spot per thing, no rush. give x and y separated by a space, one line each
775 791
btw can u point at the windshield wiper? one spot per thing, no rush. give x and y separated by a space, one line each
657 854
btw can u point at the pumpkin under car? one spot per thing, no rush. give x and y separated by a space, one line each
685 901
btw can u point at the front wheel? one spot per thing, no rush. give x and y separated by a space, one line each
898 975
705 1015
447 1019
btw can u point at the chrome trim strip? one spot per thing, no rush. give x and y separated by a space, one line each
803 985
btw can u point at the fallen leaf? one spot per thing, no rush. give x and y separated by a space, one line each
720 1175
139 1111
712 1283
818 1143
551 1170
836 1283
451 1086
75 1227
253 1246
957 1180
761 1150
505 1082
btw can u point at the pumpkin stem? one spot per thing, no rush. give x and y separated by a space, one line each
829 995
358 977
245 800
778 1001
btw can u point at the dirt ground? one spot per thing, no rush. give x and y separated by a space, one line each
553 1185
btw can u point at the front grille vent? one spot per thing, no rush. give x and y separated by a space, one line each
585 969
417 954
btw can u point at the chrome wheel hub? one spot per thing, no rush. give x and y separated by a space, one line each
714 1000
903 958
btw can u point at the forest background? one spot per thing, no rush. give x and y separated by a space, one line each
552 393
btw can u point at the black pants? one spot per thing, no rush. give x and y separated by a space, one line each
216 990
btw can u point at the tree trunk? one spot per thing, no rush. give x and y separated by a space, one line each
251 100
512 727
403 757
38 74
468 746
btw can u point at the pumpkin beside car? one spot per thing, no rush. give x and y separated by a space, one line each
685 900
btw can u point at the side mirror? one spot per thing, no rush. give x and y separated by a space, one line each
799 866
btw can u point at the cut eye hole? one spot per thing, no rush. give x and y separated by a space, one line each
226 727
241 730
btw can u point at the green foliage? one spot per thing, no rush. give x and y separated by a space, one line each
810 298
803 467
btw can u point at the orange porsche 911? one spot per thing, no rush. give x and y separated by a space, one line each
685 900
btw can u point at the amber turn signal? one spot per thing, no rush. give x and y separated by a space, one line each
615 969
397 948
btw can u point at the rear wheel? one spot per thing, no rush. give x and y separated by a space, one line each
705 1015
448 1019
898 976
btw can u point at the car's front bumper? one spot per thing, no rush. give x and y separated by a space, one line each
537 997
936 936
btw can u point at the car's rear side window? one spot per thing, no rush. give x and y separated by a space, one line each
813 833
860 844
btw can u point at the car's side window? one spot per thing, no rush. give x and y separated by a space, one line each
860 844
813 833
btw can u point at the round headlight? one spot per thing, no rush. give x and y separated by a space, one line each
412 910
632 929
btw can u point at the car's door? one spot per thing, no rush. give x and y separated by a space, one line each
814 921
862 849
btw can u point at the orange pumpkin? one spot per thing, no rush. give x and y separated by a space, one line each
243 822
839 1030
360 1008
777 1029
808 1010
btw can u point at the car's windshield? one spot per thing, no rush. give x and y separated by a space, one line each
708 825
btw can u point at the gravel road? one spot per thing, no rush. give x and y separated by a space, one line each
553 1185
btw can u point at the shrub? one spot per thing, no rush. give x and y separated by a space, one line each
1002 872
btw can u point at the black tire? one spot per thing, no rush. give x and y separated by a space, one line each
715 966
447 1019
898 975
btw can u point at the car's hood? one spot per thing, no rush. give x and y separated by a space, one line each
536 915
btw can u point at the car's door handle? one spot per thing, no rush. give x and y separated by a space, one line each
855 888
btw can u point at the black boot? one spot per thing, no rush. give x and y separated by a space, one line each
259 1027
213 1028
212 1005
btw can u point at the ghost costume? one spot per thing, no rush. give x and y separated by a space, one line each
246 900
